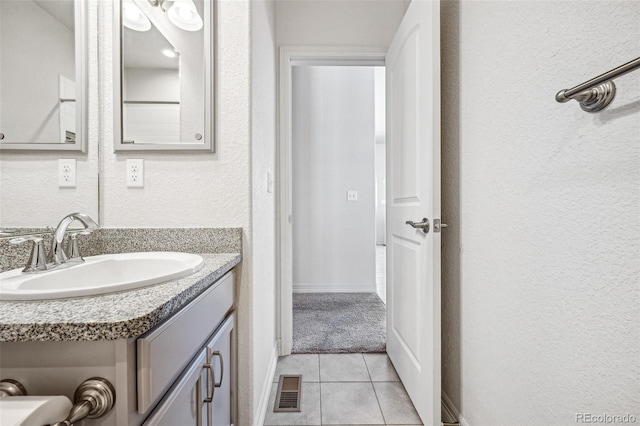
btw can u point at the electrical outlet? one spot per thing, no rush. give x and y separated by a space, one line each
352 195
67 173
135 173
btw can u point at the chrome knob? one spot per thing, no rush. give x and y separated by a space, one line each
424 225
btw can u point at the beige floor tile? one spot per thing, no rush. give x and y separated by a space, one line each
343 368
349 403
380 368
395 403
305 364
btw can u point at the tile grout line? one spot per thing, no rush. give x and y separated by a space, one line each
320 390
367 367
374 389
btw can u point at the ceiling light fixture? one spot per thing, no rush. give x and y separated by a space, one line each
183 14
169 53
133 18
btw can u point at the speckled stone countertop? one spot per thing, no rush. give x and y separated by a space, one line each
109 317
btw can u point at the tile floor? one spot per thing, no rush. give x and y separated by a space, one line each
344 389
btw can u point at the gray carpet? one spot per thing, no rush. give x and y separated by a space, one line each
338 323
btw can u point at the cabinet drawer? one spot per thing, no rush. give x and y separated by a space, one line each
164 351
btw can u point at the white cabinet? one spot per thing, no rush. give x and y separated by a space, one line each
164 351
201 393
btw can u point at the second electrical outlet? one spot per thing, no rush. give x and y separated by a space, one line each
135 173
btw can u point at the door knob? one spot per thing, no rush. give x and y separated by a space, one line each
424 225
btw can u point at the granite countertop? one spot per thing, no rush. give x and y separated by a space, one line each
112 316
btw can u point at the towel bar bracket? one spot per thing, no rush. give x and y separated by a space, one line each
592 100
594 95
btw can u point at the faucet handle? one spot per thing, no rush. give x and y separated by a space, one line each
73 251
38 258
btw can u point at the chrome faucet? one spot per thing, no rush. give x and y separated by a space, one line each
57 255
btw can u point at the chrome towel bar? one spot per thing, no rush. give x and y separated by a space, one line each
594 95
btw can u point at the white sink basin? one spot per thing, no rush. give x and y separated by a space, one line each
102 274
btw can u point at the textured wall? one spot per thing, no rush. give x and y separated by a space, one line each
332 153
541 296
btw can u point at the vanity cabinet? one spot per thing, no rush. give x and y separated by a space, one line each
202 394
180 372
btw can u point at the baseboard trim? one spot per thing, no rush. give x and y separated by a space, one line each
332 288
261 413
449 406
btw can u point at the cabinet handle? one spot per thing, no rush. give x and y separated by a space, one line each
211 380
218 354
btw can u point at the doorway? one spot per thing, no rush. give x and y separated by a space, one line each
338 130
307 58
413 197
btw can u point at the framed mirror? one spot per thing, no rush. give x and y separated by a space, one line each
43 75
163 75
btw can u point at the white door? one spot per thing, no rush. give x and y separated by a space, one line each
413 193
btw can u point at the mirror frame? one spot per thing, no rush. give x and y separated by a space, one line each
208 144
82 92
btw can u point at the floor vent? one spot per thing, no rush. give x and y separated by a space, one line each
289 394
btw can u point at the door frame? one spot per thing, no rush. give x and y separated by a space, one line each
289 57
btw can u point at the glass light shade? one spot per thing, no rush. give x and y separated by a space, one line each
133 18
184 15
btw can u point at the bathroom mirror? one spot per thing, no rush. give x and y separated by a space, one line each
43 75
163 75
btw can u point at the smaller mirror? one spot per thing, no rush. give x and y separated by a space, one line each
43 75
163 67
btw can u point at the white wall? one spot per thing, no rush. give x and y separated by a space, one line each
332 153
541 300
338 23
263 154
36 49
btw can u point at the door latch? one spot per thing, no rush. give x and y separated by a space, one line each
438 225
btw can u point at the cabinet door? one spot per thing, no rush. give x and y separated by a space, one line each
219 386
183 404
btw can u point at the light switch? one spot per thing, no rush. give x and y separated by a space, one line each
352 195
